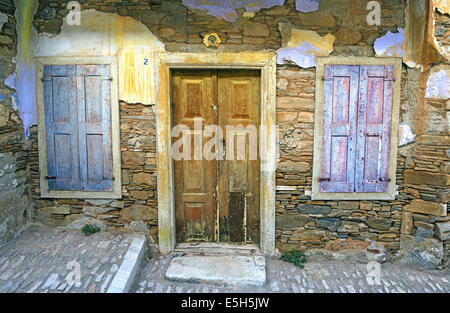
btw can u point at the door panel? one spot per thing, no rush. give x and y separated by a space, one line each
239 117
61 128
94 127
339 128
195 180
374 124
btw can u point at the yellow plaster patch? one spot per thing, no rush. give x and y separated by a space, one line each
443 6
106 34
324 44
303 46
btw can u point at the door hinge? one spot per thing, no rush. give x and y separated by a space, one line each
324 179
112 178
50 177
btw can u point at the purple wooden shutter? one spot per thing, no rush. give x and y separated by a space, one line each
94 127
339 128
61 127
374 127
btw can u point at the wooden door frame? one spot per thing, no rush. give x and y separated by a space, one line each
163 63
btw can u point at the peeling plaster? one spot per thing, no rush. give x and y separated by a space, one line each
10 81
390 45
306 6
405 134
303 46
443 6
107 34
227 9
420 46
3 19
14 101
438 83
25 80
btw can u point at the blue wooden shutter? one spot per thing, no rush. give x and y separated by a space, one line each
374 128
94 127
339 128
61 127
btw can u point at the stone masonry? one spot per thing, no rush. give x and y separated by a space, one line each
15 202
419 210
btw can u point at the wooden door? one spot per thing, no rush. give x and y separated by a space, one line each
217 199
194 96
239 117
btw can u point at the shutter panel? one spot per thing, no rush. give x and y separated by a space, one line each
339 128
94 127
374 127
61 127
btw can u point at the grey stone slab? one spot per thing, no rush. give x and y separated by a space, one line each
228 270
127 270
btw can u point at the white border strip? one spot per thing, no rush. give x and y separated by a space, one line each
130 264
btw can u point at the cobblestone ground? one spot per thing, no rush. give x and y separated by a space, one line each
37 260
324 277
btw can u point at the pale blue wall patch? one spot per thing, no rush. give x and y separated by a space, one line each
306 6
390 44
10 81
227 9
302 55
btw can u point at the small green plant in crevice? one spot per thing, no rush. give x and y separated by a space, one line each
298 257
90 229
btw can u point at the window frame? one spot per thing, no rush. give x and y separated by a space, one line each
116 192
316 194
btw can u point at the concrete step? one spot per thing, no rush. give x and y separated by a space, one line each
230 270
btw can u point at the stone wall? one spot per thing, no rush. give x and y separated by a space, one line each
368 226
15 209
137 210
302 222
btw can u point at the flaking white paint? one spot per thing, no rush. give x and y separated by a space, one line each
405 134
438 83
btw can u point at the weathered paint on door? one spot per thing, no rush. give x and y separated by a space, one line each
339 128
61 127
356 128
218 200
239 117
77 109
193 96
374 125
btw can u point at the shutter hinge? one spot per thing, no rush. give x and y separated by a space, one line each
384 179
389 80
50 177
110 79
324 179
112 178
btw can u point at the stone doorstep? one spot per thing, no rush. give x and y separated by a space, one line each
215 249
127 271
230 270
